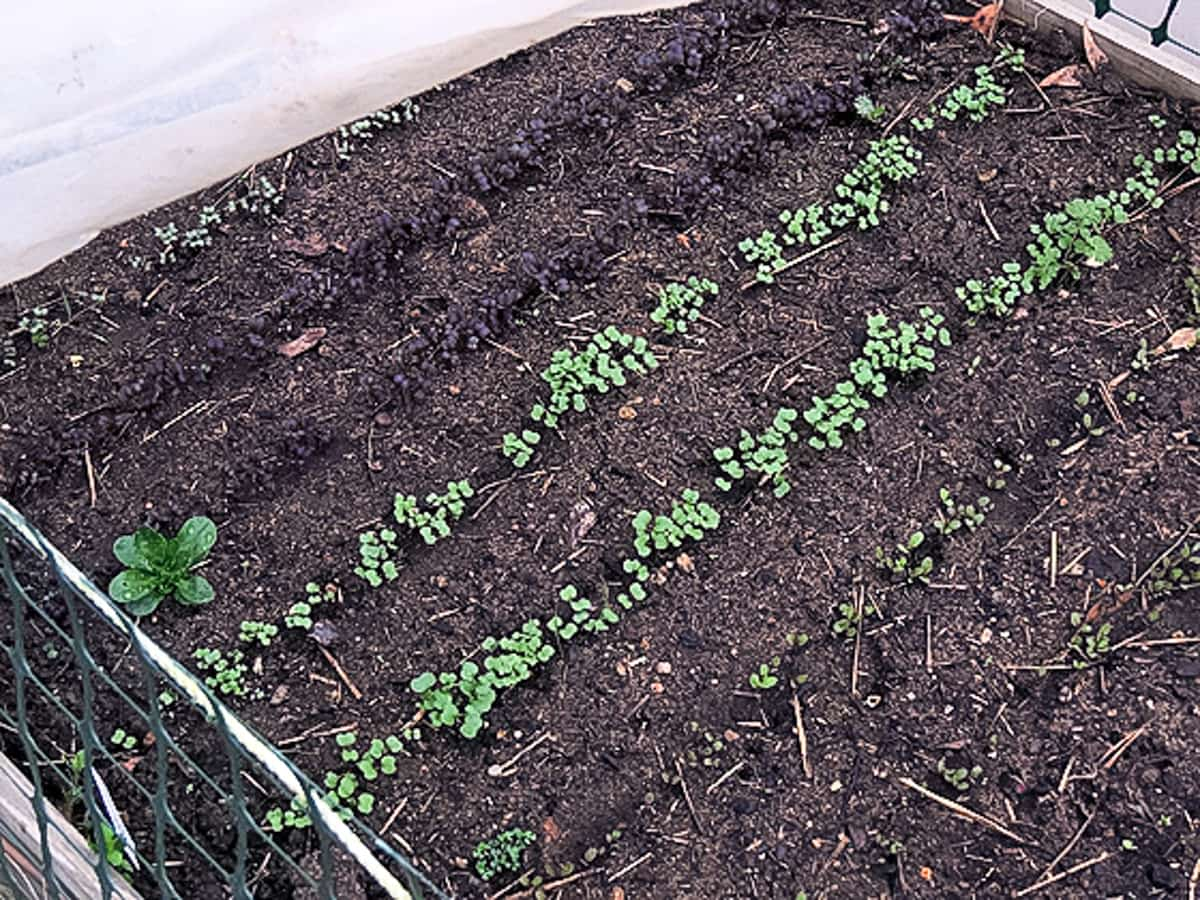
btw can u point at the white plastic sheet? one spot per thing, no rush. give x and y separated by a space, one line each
108 110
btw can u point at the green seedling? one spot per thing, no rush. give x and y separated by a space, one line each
847 620
953 516
377 552
959 778
160 567
122 740
360 131
434 520
501 854
226 672
868 110
300 613
1089 644
679 304
765 678
520 448
909 561
253 631
36 324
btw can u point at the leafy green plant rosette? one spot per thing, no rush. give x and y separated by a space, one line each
158 567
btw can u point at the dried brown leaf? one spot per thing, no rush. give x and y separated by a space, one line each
984 21
1095 56
1182 339
308 339
1067 76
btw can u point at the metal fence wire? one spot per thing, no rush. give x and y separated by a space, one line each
77 669
1157 18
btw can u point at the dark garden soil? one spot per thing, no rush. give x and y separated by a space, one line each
652 729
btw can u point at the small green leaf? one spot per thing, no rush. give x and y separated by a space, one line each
194 590
126 550
196 537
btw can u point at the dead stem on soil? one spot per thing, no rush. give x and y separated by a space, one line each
505 769
1078 867
962 811
795 359
687 795
801 737
1113 753
649 854
317 732
803 257
1070 845
1166 553
341 673
720 781
858 608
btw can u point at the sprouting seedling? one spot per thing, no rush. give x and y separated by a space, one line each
520 448
764 678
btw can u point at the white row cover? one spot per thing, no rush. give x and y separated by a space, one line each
108 110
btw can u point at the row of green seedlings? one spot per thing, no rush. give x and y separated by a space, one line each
897 351
260 200
360 132
609 360
463 697
350 789
1072 237
228 672
1065 241
860 193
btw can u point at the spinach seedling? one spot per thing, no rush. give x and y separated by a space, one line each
160 567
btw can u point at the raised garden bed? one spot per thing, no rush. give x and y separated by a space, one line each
1024 656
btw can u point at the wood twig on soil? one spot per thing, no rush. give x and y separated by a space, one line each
91 476
858 608
1111 406
191 410
803 257
1070 845
621 873
795 359
687 795
317 732
1166 553
551 885
504 769
1113 753
987 220
1016 537
734 360
1078 867
962 811
341 673
801 736
1194 881
720 781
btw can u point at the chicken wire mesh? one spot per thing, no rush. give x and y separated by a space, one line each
176 802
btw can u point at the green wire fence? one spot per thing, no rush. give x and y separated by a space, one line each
1162 26
74 668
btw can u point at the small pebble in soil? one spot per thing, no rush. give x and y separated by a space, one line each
663 668
656 687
